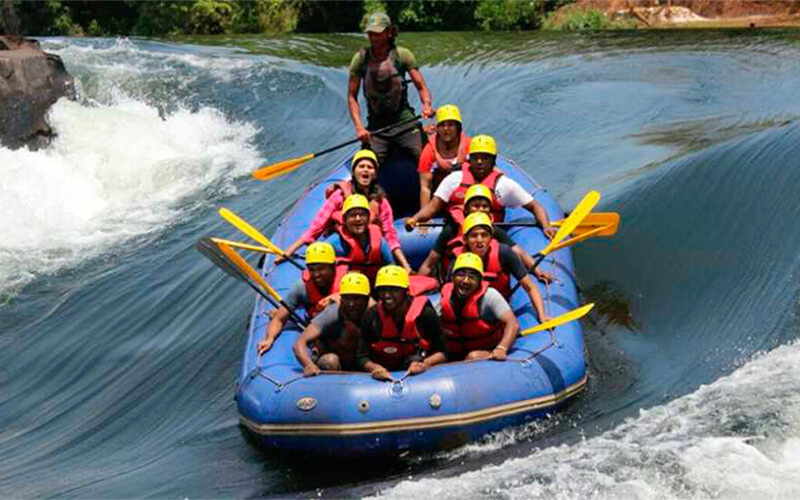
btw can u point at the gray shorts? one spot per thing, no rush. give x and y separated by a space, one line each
409 138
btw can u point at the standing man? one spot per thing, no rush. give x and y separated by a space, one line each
382 67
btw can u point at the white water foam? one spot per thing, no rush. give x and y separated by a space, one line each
738 438
115 171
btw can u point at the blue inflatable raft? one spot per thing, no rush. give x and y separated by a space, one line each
350 414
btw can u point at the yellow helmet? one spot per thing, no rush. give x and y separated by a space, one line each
392 276
320 252
448 112
469 260
483 144
355 201
364 153
474 220
354 284
478 191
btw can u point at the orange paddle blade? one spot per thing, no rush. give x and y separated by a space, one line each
564 318
608 220
580 237
244 266
243 246
583 209
280 168
243 226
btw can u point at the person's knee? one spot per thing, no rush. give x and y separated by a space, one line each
478 355
329 362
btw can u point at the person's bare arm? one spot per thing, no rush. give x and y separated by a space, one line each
427 267
536 298
540 213
273 330
310 334
425 213
401 260
294 247
377 371
355 109
424 93
510 331
425 191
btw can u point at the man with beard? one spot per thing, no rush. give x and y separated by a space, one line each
477 321
382 67
336 331
401 332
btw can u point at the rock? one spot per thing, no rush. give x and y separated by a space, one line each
30 82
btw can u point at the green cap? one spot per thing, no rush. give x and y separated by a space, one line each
377 22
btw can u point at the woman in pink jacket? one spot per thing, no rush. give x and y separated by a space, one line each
364 181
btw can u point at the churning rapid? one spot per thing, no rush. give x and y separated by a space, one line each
119 344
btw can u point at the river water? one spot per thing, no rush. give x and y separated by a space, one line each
119 344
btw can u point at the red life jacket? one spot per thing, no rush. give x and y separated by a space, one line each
441 167
466 331
493 272
455 206
314 295
393 348
422 285
337 219
356 260
452 245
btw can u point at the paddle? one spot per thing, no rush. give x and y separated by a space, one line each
581 237
226 258
286 166
608 220
564 318
243 246
255 234
570 223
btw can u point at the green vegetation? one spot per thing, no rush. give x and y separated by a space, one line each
508 14
576 18
213 17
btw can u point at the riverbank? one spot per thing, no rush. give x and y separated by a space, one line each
697 14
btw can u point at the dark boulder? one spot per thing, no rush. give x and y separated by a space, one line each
30 82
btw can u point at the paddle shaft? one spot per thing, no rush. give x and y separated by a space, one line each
277 304
496 224
376 132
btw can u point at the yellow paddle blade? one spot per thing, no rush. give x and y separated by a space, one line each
249 230
243 246
608 220
580 237
570 223
244 266
280 168
564 318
